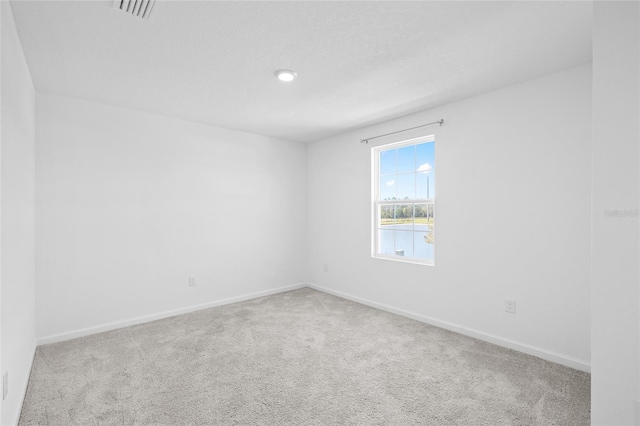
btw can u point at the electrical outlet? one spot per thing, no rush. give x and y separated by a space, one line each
510 305
5 385
192 281
326 267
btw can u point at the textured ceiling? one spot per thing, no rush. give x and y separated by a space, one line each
358 62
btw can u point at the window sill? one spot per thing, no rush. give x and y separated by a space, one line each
404 260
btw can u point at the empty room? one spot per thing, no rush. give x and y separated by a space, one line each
320 212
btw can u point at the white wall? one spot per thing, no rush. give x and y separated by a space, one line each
17 217
615 273
129 204
513 218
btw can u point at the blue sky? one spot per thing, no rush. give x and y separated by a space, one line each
404 172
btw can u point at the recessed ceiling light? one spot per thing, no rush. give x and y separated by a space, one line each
286 75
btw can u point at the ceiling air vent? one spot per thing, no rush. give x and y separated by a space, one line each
139 8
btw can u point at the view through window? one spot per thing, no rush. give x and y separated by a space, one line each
404 200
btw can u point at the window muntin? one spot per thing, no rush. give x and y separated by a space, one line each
404 201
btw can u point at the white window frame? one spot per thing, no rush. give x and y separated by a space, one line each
376 203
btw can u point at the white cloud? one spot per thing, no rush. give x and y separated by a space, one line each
390 182
426 167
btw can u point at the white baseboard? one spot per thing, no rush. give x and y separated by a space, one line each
500 341
487 337
147 318
23 392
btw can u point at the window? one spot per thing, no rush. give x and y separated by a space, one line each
404 201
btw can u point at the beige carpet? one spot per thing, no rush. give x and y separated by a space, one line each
297 358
